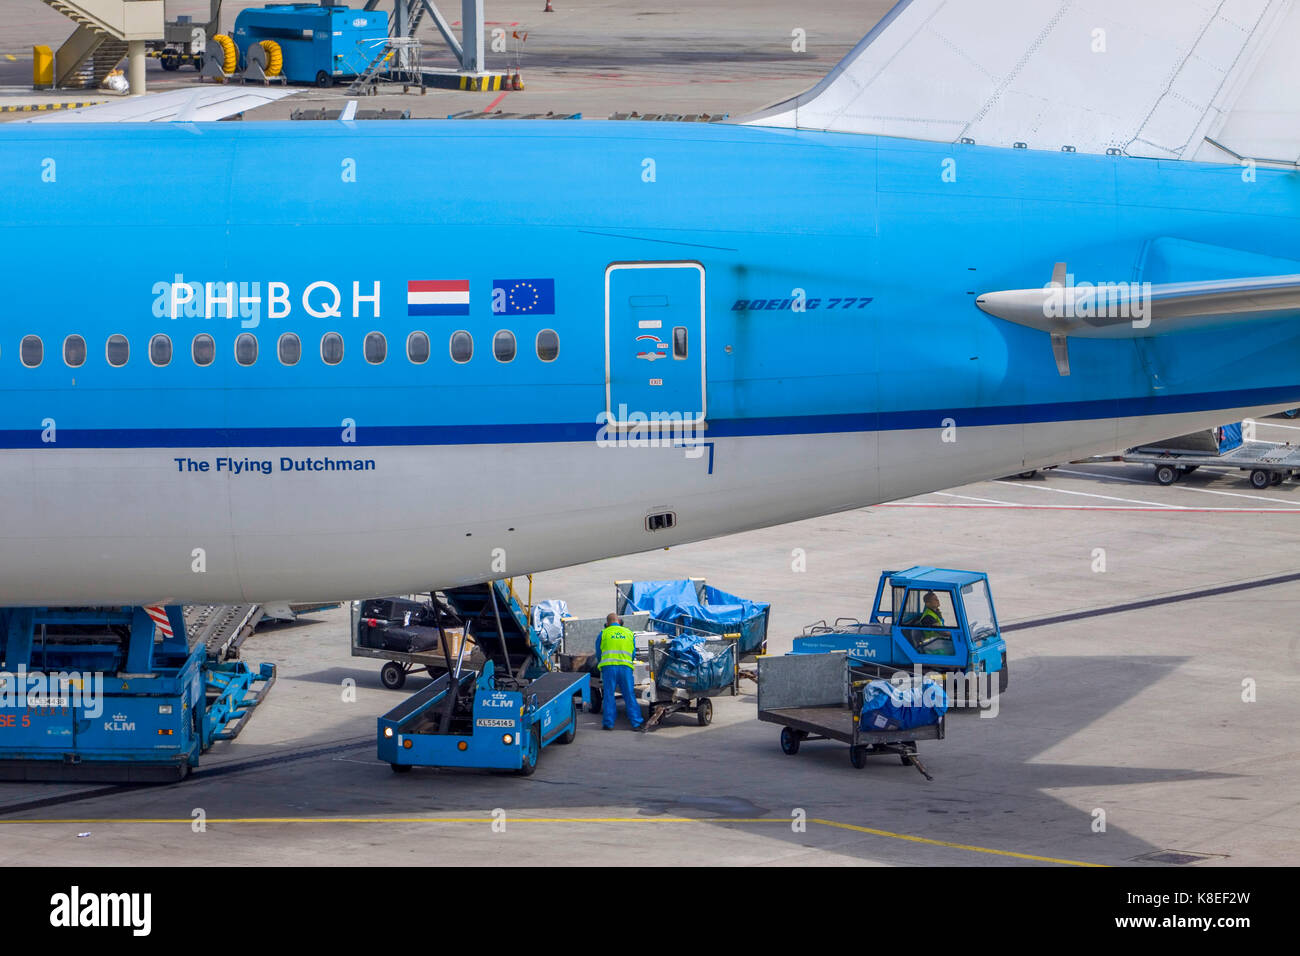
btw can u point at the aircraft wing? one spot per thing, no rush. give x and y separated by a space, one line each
193 104
1206 80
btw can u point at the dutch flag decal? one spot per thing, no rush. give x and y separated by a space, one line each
437 297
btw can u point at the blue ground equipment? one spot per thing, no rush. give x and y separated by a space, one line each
676 668
694 604
831 697
112 694
483 719
967 642
319 44
498 715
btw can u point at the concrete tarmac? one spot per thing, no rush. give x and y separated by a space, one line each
593 57
1154 735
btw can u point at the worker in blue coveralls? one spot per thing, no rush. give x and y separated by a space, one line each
615 656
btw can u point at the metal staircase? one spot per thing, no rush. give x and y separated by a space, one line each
100 41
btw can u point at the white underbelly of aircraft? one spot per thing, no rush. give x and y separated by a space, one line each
140 526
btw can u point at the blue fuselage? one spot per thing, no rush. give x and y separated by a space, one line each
772 282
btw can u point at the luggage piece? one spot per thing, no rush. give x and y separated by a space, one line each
410 639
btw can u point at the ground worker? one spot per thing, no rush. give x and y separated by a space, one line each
615 655
932 642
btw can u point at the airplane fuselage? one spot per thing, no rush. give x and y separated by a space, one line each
731 326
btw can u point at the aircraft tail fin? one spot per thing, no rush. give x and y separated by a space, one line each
1206 80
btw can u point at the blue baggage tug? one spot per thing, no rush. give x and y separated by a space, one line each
113 694
959 636
320 44
498 717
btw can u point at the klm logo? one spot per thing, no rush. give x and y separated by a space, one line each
119 722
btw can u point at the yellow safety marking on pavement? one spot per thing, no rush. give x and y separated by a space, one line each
43 107
953 846
967 847
11 58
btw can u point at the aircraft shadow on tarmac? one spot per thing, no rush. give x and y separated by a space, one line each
989 790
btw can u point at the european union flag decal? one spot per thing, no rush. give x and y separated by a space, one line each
523 296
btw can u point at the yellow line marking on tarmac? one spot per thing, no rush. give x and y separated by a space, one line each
970 848
11 58
954 846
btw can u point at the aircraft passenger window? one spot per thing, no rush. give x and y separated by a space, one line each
203 349
548 345
290 349
680 343
417 347
503 346
245 349
331 348
160 350
375 348
74 351
118 350
462 347
31 351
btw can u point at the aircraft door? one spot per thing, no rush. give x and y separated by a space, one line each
654 342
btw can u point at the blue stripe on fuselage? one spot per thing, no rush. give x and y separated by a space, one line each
540 433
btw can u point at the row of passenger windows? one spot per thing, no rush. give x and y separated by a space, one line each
203 349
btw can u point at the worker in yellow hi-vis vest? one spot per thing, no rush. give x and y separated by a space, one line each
615 656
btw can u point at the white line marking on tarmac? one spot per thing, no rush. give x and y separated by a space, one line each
1205 491
991 501
1085 494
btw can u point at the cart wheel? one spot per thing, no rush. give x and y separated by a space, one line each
1166 474
1259 478
324 80
568 735
531 752
704 711
858 756
789 741
596 700
401 767
905 760
170 63
392 675
1004 676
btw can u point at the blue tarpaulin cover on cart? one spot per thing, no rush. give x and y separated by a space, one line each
888 706
1229 437
675 602
691 664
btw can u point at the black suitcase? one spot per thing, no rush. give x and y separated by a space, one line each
411 639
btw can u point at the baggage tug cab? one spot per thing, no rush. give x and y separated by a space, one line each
936 619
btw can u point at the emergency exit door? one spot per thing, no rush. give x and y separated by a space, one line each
654 342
